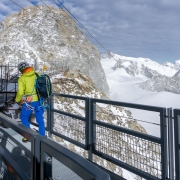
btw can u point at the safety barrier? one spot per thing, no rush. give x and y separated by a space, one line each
138 162
8 83
94 135
42 157
102 139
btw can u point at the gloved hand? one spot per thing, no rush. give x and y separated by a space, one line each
22 101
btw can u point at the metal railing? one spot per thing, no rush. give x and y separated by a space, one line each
80 134
74 166
31 136
105 140
92 134
8 83
47 159
138 162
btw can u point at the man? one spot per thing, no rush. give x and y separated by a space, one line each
27 95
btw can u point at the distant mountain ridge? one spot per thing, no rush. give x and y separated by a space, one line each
165 77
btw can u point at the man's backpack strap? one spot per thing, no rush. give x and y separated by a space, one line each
37 75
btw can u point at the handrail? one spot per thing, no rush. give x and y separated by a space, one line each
90 134
83 168
42 147
27 133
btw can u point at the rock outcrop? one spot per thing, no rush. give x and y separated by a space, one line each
47 35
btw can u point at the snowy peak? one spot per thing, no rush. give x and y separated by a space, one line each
159 77
144 66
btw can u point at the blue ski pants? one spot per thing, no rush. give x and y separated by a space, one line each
38 111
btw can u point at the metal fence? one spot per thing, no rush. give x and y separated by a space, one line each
64 164
8 83
45 159
141 150
105 140
52 67
35 146
145 155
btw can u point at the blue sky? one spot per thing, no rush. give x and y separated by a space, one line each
136 28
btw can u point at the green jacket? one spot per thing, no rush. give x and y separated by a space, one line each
26 86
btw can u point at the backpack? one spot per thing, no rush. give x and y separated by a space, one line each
43 86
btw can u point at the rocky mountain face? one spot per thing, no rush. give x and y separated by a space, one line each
162 83
47 35
133 69
164 77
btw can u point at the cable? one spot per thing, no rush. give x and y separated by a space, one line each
85 29
17 4
128 118
80 24
83 26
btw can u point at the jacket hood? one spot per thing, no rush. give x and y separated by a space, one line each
30 73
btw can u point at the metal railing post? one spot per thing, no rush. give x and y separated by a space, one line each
89 134
36 157
177 142
1 79
49 120
92 128
170 144
47 167
163 130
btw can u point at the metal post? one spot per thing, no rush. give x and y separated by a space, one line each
36 157
6 84
93 128
1 79
163 130
88 127
49 120
47 169
170 144
177 142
